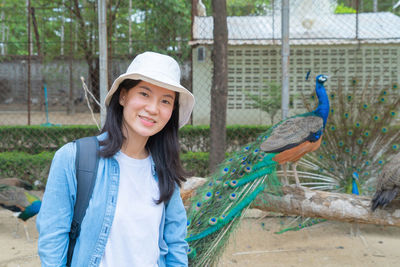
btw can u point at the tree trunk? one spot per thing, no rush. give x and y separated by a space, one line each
36 31
312 203
219 90
111 17
332 206
87 47
40 55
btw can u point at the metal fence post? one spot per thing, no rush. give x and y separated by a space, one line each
103 72
28 3
285 58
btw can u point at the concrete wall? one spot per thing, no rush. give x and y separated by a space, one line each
251 69
56 74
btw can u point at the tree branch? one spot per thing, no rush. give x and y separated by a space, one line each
332 206
312 203
36 31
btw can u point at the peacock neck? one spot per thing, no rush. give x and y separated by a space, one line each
355 187
323 103
30 211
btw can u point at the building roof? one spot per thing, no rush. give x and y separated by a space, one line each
378 27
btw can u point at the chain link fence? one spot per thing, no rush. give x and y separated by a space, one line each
47 46
326 37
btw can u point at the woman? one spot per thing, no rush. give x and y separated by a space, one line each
135 216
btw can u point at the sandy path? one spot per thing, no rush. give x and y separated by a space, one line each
324 244
255 244
17 251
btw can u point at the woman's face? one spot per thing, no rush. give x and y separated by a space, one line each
147 109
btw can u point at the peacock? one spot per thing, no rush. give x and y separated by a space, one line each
296 137
359 137
300 134
16 182
23 203
217 207
353 187
388 186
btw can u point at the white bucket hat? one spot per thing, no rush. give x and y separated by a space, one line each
160 70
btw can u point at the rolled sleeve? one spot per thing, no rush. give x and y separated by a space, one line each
55 216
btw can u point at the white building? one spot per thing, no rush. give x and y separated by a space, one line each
332 44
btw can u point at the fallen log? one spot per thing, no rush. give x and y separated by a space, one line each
321 204
189 188
327 205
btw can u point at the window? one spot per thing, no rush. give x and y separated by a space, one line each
201 54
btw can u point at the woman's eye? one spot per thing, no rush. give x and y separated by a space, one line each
166 101
143 93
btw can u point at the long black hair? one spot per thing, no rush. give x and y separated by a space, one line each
163 146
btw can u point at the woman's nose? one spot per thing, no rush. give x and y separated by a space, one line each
152 106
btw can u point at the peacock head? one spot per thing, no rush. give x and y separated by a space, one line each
321 78
355 175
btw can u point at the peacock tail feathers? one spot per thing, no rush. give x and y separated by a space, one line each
299 223
360 136
218 205
13 196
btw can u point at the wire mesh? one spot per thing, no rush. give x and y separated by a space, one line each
41 63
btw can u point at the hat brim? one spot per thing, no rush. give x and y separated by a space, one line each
186 98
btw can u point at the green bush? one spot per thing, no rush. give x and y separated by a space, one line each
239 135
35 139
36 167
197 138
196 163
26 151
26 166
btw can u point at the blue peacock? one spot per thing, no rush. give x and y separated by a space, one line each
23 203
360 137
300 134
353 187
217 207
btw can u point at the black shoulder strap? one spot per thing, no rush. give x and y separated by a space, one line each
86 163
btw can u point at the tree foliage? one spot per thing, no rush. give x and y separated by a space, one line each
155 25
69 29
158 25
242 7
342 9
269 100
368 5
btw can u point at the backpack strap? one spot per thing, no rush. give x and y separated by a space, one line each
86 163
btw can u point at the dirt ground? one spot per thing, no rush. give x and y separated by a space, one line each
325 244
254 244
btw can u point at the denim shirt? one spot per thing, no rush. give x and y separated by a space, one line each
55 216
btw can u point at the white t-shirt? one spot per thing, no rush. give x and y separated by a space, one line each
133 239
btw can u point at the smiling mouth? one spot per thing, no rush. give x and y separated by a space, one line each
147 119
